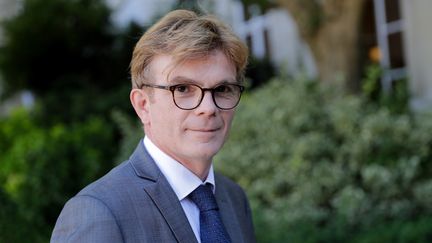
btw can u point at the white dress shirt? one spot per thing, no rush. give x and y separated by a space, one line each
182 181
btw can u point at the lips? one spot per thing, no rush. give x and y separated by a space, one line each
204 129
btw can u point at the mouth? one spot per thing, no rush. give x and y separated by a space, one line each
205 130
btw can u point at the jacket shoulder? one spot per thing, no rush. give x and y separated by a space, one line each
227 183
110 183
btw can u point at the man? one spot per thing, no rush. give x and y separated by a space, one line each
186 77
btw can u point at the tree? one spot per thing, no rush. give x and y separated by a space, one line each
331 28
69 55
76 63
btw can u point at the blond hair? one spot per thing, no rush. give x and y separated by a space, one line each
184 35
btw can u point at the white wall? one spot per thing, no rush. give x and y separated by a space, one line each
8 8
287 48
142 12
289 53
418 46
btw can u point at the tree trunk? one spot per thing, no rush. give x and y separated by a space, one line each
331 28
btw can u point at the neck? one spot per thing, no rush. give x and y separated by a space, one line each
200 168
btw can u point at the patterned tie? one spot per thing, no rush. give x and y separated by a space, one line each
211 226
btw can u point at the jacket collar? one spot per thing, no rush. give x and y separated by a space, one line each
143 164
162 194
227 211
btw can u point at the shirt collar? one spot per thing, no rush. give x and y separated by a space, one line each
181 179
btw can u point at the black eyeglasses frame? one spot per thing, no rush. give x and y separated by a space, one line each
203 90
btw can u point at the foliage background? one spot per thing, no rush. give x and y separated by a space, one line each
318 164
323 166
71 57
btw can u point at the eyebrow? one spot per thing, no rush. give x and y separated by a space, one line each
186 80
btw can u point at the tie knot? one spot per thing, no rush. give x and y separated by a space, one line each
203 197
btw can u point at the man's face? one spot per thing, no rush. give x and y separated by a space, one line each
189 136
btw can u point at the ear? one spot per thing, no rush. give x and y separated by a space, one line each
140 101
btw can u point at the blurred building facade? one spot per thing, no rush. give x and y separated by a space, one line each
272 35
9 8
418 48
400 40
142 12
400 37
404 40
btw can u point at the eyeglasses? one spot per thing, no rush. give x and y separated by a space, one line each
190 96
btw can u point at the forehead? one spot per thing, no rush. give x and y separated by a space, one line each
215 67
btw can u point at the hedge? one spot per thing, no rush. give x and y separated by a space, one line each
320 165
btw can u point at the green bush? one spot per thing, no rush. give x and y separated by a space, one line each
43 167
323 166
131 133
70 56
396 99
12 225
418 230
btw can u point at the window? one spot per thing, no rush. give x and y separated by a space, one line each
389 27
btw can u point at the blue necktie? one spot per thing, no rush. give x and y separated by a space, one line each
211 226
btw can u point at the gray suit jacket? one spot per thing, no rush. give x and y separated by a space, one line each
135 203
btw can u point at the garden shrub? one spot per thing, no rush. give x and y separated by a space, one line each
131 133
322 166
12 227
43 167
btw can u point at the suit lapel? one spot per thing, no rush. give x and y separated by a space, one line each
162 195
169 206
228 213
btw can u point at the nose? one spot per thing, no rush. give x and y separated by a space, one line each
207 105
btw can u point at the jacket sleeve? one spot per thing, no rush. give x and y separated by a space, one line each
250 236
86 219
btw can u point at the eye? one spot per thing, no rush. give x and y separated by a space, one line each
183 88
224 88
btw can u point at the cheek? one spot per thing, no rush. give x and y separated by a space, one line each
170 123
228 117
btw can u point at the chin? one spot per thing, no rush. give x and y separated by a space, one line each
206 150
